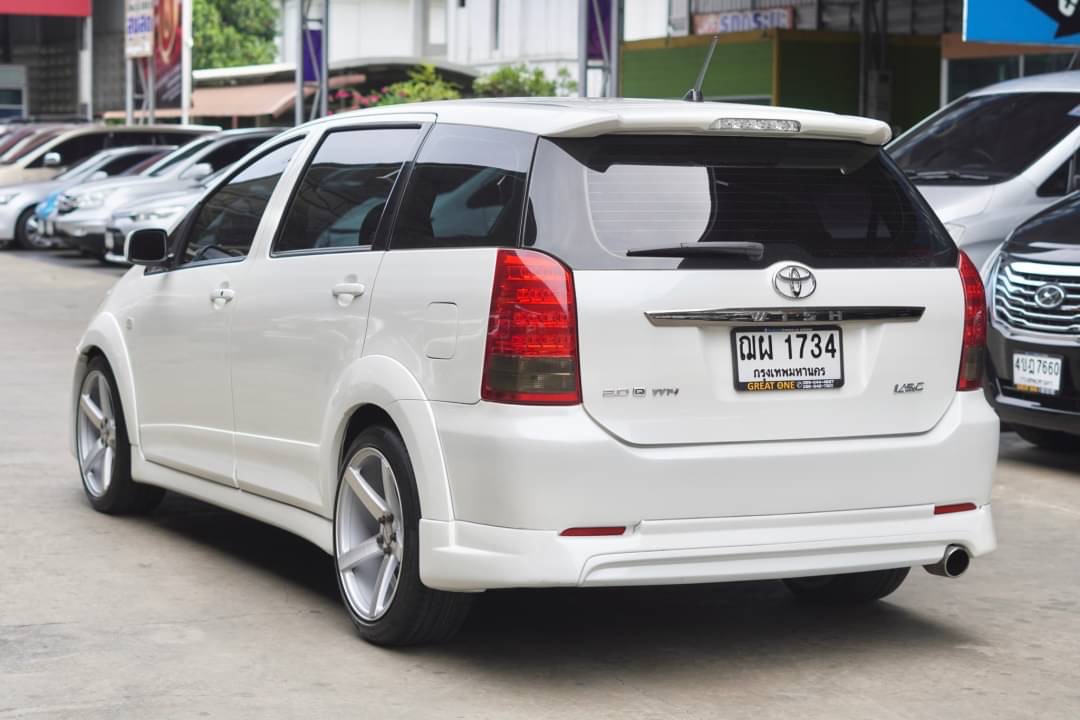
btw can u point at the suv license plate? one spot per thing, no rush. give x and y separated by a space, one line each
788 358
1037 373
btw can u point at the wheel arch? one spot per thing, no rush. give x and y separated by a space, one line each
379 390
104 338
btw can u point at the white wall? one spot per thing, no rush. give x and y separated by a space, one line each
358 28
542 33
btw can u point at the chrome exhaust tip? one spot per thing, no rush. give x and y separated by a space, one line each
953 563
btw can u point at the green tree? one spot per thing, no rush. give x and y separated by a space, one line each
521 81
423 84
228 33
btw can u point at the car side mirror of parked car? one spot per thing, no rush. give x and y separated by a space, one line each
52 159
198 171
147 246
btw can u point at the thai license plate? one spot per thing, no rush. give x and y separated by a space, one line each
789 358
1036 373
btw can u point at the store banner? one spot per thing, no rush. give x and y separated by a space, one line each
744 20
168 31
1033 22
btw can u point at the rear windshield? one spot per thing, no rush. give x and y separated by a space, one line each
822 203
987 138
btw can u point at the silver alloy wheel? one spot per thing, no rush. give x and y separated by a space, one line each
32 232
369 533
95 433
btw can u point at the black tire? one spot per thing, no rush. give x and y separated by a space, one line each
1049 439
417 614
122 495
850 589
22 235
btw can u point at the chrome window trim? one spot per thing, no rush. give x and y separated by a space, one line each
777 315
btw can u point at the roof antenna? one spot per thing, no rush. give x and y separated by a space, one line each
694 93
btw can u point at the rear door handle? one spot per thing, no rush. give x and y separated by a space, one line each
220 296
352 289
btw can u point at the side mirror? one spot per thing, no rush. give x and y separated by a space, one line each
147 246
52 159
198 171
97 175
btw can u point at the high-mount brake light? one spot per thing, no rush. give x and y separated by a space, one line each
532 348
768 125
971 353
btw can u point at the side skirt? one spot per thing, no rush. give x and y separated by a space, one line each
314 528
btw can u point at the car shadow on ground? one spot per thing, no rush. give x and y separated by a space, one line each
719 621
1014 448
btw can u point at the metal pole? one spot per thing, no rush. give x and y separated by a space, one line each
299 115
151 88
324 63
186 42
86 59
583 48
129 91
863 29
616 25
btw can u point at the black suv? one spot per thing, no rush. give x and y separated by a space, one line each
1034 336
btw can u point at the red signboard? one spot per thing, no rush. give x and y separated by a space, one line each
62 8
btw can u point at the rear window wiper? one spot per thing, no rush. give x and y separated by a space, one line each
946 175
751 250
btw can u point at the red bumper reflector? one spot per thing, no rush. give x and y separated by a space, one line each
592 531
957 507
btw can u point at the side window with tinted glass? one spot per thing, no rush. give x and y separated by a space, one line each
1057 184
341 198
467 189
227 220
77 148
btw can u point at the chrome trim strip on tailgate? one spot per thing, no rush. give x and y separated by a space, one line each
880 313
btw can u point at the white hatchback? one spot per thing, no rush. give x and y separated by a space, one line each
490 344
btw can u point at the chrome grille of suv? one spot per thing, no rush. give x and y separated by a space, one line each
1015 285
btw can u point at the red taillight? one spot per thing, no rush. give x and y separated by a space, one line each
954 508
971 354
532 349
593 531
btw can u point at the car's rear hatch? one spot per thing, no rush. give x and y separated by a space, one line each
824 239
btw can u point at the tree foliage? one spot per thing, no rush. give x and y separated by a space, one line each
423 84
521 81
228 33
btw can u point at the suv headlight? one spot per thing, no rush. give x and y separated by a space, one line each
161 213
90 200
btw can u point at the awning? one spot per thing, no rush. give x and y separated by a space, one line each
260 100
59 8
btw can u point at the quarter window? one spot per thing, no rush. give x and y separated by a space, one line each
340 200
226 223
467 189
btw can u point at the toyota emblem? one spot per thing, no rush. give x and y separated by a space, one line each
1049 296
795 282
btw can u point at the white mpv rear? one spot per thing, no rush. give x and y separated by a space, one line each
474 345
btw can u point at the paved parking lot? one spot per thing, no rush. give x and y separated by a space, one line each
196 612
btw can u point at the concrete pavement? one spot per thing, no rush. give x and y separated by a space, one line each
196 612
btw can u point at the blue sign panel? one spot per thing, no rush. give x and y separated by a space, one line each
1034 22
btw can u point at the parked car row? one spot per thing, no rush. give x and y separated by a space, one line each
999 168
99 180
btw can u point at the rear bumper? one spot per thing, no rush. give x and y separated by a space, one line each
551 468
469 557
518 476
